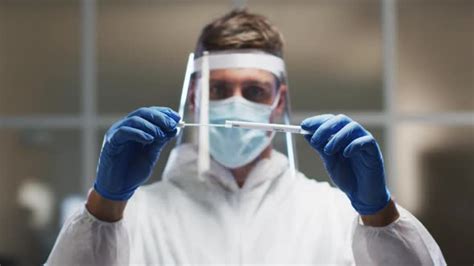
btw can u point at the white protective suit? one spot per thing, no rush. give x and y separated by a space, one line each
275 218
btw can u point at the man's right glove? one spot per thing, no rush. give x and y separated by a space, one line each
131 149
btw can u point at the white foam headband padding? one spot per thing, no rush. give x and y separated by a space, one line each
267 62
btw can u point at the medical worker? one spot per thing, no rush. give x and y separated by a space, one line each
249 208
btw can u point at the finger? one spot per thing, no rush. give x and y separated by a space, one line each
166 110
158 118
327 129
171 134
343 137
154 148
170 112
359 144
129 134
143 125
313 123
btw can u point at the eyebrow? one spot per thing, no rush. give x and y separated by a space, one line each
247 82
260 83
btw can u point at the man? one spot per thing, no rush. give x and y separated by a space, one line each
249 208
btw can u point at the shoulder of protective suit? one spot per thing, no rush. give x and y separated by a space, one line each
313 184
157 189
323 195
166 191
155 196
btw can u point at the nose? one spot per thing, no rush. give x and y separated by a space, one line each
237 90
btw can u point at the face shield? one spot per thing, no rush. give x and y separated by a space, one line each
235 85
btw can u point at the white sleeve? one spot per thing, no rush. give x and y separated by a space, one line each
403 242
85 240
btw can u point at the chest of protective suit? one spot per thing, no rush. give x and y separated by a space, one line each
277 221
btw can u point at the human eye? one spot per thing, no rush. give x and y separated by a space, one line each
257 93
218 91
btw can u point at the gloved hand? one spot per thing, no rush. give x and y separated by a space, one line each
352 158
131 149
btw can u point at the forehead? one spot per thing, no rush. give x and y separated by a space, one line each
243 74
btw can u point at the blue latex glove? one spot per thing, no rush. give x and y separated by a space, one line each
131 149
352 158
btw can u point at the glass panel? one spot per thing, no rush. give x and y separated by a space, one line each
333 52
39 169
436 56
312 166
435 181
39 51
143 48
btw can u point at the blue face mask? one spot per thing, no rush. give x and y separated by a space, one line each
237 147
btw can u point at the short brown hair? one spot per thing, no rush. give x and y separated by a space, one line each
240 29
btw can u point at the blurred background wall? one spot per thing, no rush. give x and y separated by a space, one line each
69 68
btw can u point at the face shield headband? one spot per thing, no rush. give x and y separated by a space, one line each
263 61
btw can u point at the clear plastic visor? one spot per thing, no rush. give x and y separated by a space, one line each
238 86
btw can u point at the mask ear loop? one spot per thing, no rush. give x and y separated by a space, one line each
273 107
276 101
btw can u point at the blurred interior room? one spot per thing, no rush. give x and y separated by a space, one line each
70 68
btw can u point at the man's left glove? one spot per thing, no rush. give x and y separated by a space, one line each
352 158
